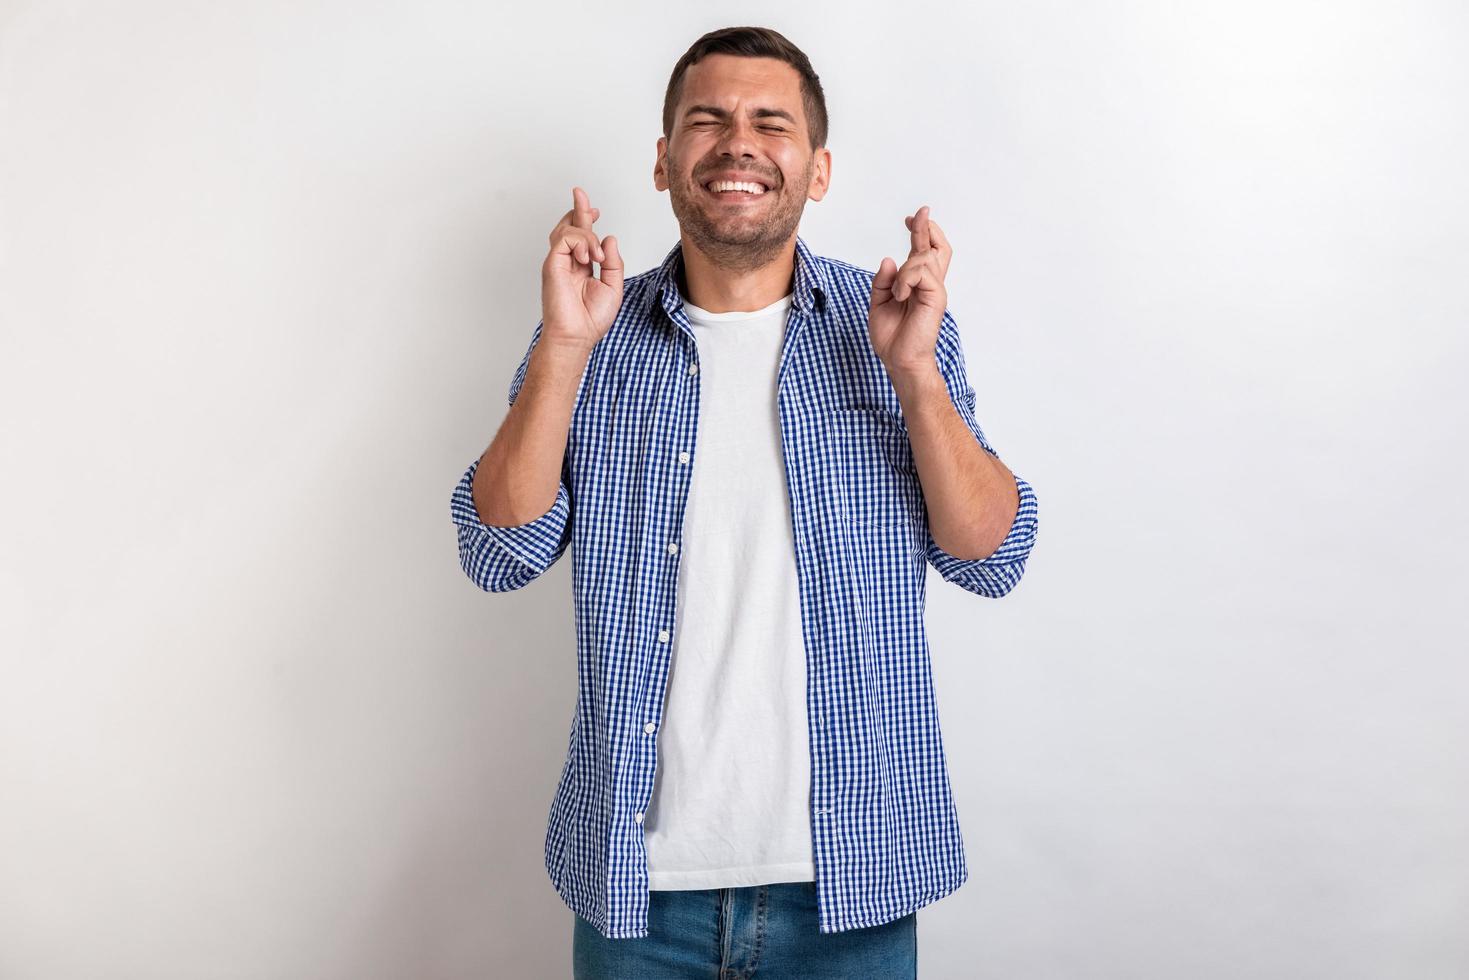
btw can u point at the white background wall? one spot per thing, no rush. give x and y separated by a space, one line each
266 270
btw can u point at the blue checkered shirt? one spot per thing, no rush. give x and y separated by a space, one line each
885 832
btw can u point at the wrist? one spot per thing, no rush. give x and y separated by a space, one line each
565 350
915 377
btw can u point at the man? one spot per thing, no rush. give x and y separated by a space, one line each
753 452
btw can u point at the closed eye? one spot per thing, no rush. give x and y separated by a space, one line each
768 129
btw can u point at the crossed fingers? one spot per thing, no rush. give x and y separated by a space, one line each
928 236
574 230
929 254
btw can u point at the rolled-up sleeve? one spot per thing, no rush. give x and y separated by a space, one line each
1001 571
500 559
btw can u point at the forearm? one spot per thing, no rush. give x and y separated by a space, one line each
971 496
518 475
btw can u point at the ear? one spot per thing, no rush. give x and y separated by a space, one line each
820 174
660 170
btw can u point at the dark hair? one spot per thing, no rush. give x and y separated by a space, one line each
753 42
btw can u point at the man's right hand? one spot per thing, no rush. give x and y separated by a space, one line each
577 309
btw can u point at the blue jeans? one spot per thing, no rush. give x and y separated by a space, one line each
767 932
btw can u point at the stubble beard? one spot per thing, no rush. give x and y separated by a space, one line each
737 243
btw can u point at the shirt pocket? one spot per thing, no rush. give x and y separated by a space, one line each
877 484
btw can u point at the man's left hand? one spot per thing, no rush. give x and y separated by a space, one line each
908 301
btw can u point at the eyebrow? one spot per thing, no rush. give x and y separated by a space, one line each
760 112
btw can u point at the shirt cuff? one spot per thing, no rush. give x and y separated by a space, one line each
997 573
534 544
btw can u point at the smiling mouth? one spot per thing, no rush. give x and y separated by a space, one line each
736 192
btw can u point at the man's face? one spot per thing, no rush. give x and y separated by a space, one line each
722 127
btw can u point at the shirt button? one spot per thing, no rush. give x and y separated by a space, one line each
673 547
638 816
663 636
683 457
649 727
693 369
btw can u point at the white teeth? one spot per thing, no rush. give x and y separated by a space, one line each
748 187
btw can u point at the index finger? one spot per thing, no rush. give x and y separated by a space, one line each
581 208
920 230
941 245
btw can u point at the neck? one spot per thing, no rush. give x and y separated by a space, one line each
721 288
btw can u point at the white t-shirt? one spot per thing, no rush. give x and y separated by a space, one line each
732 788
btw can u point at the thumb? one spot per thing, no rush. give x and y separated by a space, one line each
611 263
882 282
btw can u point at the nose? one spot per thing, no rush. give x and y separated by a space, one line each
738 139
